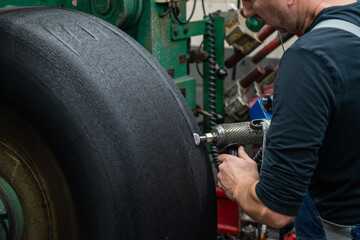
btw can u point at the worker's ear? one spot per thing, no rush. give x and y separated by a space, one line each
291 2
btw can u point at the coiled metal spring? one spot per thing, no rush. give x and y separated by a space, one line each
212 83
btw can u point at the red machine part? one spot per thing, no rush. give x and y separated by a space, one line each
231 61
267 70
270 47
257 73
228 214
291 237
265 32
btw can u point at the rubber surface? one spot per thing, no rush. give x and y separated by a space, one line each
117 123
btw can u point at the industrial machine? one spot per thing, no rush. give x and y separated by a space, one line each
96 125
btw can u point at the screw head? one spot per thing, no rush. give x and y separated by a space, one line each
197 139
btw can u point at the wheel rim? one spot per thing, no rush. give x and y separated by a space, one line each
11 215
35 201
25 192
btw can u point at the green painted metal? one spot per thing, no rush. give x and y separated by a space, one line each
179 32
122 13
155 34
254 24
187 86
219 50
11 209
5 225
12 3
191 29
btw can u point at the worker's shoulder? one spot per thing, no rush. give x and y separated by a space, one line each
306 47
321 39
331 39
327 44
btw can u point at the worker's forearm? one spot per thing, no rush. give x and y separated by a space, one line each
252 206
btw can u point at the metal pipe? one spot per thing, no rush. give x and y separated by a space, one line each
251 77
234 59
267 71
265 33
270 47
246 48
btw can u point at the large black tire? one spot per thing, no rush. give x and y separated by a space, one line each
117 126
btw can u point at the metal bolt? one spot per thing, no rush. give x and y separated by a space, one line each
208 137
197 139
186 30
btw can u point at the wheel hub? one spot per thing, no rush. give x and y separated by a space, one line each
11 214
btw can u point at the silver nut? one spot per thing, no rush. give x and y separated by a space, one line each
209 137
197 139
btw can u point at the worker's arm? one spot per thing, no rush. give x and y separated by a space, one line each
305 96
238 177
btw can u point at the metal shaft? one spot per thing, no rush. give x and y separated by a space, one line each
242 133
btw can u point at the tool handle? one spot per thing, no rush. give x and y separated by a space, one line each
231 149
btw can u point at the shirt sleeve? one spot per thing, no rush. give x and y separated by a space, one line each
303 101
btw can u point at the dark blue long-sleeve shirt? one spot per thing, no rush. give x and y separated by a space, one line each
314 137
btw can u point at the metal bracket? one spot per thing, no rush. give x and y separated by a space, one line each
191 29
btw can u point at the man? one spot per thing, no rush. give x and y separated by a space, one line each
314 137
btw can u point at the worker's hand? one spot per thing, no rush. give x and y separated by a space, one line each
236 173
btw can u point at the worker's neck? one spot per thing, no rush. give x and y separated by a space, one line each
313 8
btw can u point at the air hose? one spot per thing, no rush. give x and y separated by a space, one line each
212 83
174 11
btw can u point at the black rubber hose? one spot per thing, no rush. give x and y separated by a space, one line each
203 7
165 13
191 15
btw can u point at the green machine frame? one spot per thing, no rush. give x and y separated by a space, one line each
163 36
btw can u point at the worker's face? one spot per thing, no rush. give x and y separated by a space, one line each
273 12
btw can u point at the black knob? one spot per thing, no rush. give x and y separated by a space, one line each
221 73
219 118
267 103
